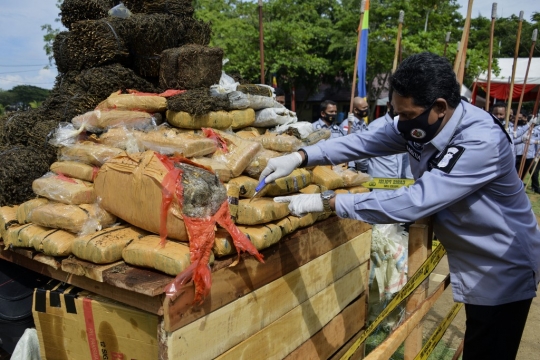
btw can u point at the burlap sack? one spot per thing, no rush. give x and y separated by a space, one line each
53 242
260 211
75 170
136 102
130 187
85 218
240 153
106 246
281 143
89 153
259 162
325 176
27 207
214 119
8 218
171 259
63 189
218 167
97 120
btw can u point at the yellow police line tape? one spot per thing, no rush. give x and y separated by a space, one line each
387 183
429 346
414 282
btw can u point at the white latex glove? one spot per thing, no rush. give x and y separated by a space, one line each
525 137
300 205
532 121
280 167
515 134
351 118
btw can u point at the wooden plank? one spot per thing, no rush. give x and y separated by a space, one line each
357 355
144 281
389 346
140 301
335 334
418 242
242 318
231 283
281 337
92 271
48 260
26 252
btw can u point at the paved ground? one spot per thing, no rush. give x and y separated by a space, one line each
530 343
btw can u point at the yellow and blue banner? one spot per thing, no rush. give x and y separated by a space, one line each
362 54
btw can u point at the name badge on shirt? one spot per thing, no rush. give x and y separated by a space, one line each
415 151
447 159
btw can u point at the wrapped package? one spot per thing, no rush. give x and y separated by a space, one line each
219 168
89 153
290 184
75 170
242 118
64 189
233 195
122 138
260 211
171 259
246 186
142 174
313 189
150 103
27 207
256 89
238 100
281 143
325 176
12 235
84 219
300 129
97 120
238 154
292 223
353 178
169 141
353 190
259 162
214 119
262 236
248 134
274 116
8 218
316 136
106 246
53 242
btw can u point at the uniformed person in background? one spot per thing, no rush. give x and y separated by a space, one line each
328 119
463 164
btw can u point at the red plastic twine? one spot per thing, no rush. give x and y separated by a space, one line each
171 185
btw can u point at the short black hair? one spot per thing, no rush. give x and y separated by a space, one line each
498 105
325 104
279 92
426 77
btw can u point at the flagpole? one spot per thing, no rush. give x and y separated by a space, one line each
293 99
526 149
490 59
398 40
355 71
446 41
261 40
465 42
514 66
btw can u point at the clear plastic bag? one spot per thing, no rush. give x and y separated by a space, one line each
120 11
66 134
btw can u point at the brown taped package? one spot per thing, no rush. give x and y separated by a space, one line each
75 170
8 218
65 190
353 178
290 184
89 153
353 190
316 136
248 133
233 195
242 118
19 236
246 186
105 246
281 143
256 167
84 218
240 153
98 120
214 119
130 187
137 102
53 242
325 176
171 259
169 141
219 168
313 189
26 208
260 211
262 236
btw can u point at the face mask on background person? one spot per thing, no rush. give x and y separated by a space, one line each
418 129
361 113
330 118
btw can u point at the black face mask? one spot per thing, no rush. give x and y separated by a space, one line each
361 114
522 122
330 118
418 129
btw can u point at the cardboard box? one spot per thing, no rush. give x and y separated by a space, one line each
76 324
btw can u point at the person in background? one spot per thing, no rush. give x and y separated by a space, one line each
520 134
355 123
532 151
499 111
465 180
280 95
328 119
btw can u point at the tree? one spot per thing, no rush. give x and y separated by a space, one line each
23 94
50 35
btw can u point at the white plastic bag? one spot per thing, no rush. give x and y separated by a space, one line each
226 85
274 116
66 134
238 100
304 128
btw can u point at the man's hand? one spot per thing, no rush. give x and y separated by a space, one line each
300 205
351 118
280 167
525 137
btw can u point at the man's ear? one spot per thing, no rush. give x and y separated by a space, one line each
441 107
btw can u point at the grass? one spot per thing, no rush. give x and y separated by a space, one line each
441 351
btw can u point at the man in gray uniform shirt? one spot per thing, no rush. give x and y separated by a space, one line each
463 164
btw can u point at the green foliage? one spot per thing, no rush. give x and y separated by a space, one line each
24 94
2 109
35 104
50 34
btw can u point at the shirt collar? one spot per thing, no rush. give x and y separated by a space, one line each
443 138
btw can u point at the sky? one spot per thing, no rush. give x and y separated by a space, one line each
22 58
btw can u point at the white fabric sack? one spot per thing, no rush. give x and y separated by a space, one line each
27 347
274 116
226 85
304 128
